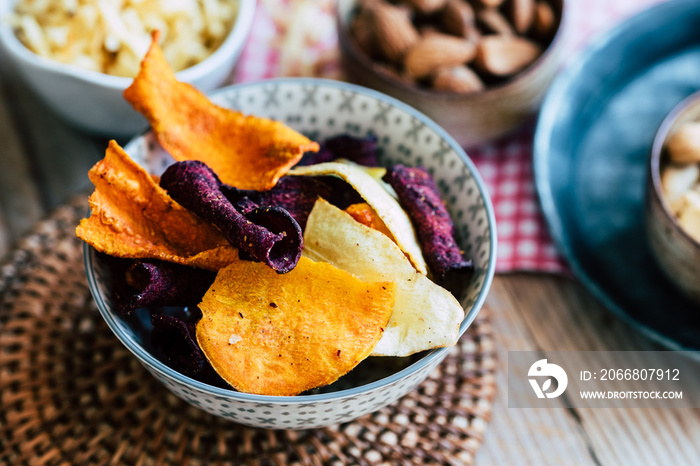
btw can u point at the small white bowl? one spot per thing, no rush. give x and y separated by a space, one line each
322 109
677 253
93 101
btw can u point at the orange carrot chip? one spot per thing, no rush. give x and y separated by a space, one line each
366 215
273 334
132 217
244 151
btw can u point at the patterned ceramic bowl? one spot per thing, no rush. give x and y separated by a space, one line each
322 109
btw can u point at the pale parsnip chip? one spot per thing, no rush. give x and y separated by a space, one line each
375 172
425 315
388 208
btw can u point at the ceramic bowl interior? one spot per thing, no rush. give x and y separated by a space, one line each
676 251
321 109
686 111
471 118
93 101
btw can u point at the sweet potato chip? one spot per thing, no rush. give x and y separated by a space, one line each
388 208
245 151
425 315
132 217
274 334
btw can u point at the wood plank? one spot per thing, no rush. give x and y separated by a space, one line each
560 315
20 200
525 436
5 237
58 155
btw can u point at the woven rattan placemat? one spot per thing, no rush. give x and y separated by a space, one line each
70 393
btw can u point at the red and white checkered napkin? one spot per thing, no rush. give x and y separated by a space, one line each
523 241
505 165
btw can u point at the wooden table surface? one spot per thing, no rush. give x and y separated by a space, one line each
43 162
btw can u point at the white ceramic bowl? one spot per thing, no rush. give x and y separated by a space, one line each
93 101
322 109
677 253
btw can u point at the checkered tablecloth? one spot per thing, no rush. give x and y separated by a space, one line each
284 27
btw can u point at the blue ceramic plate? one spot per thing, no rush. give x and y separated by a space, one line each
591 146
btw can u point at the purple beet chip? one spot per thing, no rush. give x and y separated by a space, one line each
141 284
174 343
121 292
270 236
420 197
362 151
165 284
295 194
286 252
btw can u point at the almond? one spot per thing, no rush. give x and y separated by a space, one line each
429 30
458 18
393 74
676 180
473 35
436 50
394 30
456 79
493 21
522 14
426 6
689 215
362 31
503 55
544 19
683 146
490 3
367 4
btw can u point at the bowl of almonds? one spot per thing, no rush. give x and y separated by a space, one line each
673 196
479 68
